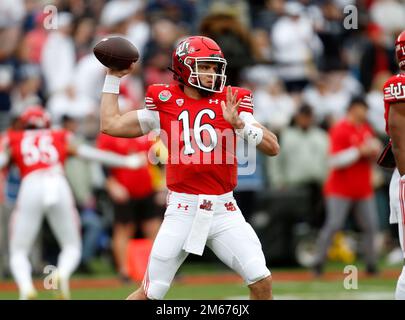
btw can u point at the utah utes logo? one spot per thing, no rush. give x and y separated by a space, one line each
206 205
182 49
396 91
230 206
180 102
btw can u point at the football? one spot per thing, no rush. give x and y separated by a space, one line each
116 52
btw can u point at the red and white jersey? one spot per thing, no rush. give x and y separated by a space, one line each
200 142
33 150
129 178
354 181
394 91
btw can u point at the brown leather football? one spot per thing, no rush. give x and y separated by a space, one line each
116 52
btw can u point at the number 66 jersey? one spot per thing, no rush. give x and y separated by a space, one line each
33 150
200 142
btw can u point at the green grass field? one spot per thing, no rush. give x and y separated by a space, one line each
381 287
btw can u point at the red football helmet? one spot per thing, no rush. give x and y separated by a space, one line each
192 51
400 50
35 117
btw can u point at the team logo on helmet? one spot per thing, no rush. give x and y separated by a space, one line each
165 95
182 49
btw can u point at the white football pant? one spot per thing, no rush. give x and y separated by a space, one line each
229 236
43 193
397 215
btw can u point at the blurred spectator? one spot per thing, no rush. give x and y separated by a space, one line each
375 101
58 57
35 39
132 194
328 99
262 45
116 18
234 39
302 163
303 155
158 51
27 86
273 106
180 12
353 149
117 15
377 56
83 36
11 15
264 17
389 14
139 30
72 104
295 47
330 31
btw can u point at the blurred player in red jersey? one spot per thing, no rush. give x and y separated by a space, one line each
39 152
394 102
133 196
353 149
198 120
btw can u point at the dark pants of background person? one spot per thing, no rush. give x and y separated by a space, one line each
337 210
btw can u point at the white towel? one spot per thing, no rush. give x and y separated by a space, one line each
195 242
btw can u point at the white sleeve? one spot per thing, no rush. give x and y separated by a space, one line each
247 117
110 159
149 120
344 158
4 152
4 159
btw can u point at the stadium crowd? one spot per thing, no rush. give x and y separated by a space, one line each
304 61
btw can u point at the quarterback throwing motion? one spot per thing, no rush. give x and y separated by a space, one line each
198 120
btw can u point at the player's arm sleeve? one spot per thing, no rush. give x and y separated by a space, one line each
344 158
247 117
149 120
110 159
4 159
343 153
4 152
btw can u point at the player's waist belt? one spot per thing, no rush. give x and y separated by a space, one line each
192 199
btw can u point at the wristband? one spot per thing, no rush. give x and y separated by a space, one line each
111 84
252 134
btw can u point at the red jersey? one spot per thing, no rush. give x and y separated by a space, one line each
353 181
138 182
33 150
394 91
200 142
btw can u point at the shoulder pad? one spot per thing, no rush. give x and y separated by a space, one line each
394 88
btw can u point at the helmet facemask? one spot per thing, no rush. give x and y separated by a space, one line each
219 79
